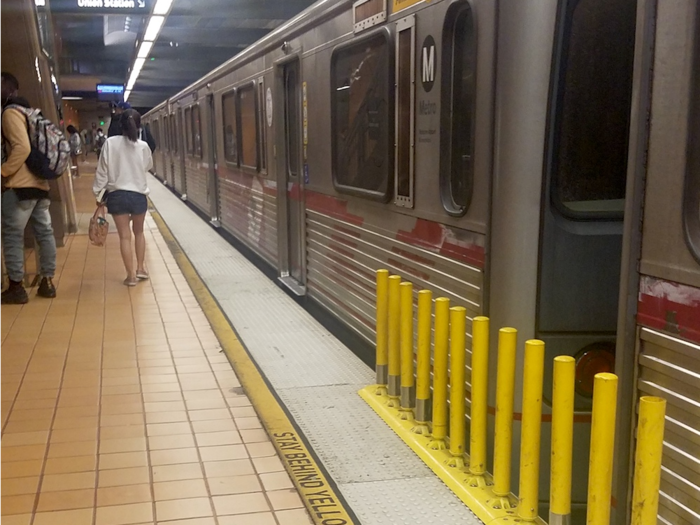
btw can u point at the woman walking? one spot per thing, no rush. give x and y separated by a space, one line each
121 170
76 148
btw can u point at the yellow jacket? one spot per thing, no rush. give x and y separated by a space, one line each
14 171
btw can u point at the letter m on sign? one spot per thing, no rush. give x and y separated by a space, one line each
429 64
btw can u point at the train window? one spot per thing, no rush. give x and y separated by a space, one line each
262 125
691 196
361 109
291 116
230 145
166 133
248 126
196 132
188 130
173 134
405 94
457 113
593 97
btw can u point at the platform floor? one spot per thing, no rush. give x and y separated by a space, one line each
317 378
118 406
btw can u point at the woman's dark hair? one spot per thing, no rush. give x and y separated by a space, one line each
71 129
130 122
19 101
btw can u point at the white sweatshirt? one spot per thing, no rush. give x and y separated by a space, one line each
123 165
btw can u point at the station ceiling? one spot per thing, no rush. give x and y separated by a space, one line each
197 36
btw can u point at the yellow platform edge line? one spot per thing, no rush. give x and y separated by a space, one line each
475 492
318 495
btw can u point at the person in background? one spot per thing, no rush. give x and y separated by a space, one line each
25 198
122 170
76 148
100 139
85 136
115 126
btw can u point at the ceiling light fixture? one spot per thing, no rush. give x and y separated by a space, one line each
162 7
72 98
155 24
145 49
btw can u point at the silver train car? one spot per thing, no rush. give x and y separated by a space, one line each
534 161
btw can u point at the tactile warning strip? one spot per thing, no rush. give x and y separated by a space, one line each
317 378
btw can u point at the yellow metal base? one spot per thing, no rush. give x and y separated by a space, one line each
475 492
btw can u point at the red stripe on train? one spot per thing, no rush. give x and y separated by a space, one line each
671 307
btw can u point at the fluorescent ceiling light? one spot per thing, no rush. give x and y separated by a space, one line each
145 49
72 98
126 94
154 25
138 65
162 7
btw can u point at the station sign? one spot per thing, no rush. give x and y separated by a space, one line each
102 7
110 92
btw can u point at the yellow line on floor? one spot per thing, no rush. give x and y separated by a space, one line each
323 504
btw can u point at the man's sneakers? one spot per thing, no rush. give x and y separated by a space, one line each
15 294
46 288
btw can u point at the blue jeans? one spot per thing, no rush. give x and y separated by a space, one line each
15 216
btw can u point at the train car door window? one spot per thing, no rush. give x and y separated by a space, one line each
691 197
188 130
293 184
405 104
196 132
173 134
228 102
457 112
593 97
248 126
291 118
261 125
361 112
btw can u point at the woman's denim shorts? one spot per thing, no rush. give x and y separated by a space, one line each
123 202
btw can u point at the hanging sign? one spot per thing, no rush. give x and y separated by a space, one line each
106 7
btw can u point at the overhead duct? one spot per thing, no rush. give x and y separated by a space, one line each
120 30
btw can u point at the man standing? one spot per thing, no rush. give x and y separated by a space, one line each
116 129
25 198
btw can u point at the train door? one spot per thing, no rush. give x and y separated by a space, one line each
584 193
173 149
212 185
290 182
180 160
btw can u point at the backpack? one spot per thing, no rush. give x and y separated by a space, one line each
49 157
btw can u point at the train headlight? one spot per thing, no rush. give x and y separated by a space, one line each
591 360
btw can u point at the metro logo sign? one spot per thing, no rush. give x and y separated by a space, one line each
102 6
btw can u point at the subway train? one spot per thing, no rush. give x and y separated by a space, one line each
534 161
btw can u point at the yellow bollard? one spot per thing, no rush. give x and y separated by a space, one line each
425 304
382 329
458 328
562 440
407 385
480 385
533 377
442 321
505 386
647 468
602 446
394 340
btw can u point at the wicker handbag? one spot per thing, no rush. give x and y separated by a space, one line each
99 227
